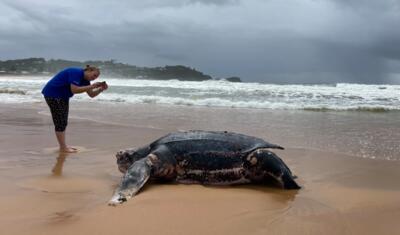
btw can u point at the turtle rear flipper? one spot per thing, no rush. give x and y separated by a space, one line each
263 164
288 182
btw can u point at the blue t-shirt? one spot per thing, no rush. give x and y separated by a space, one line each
60 85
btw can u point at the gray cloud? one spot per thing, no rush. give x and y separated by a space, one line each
215 2
371 5
305 41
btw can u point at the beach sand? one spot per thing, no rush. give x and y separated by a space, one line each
44 192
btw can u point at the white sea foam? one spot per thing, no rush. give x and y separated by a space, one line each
222 94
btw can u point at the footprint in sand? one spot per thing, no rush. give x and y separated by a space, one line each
51 184
62 217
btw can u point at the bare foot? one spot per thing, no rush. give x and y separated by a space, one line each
68 150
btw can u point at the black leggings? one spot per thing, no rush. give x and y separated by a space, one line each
59 111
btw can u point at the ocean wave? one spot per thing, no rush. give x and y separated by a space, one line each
227 102
12 91
360 109
325 97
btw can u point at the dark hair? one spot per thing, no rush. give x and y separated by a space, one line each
91 68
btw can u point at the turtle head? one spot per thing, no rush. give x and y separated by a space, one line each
125 158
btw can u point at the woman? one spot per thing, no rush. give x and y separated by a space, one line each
63 86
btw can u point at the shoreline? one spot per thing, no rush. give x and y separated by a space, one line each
362 135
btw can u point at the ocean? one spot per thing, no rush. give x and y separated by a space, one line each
337 97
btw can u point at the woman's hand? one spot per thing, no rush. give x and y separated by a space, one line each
96 85
104 85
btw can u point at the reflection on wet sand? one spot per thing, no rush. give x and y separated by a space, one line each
61 157
58 167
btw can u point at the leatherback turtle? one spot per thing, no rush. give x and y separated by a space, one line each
205 157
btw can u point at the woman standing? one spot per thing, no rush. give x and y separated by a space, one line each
61 88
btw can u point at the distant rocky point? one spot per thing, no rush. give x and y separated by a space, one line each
233 79
230 79
110 68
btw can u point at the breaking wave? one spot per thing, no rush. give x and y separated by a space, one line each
329 97
12 91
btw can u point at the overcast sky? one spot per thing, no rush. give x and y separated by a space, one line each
292 41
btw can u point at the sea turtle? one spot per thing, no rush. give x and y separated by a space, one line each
205 157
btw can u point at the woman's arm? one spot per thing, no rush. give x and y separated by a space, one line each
80 89
95 92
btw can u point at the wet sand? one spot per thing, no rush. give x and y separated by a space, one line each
44 192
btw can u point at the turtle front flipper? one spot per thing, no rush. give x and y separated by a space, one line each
133 180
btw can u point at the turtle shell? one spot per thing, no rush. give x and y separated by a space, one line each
212 141
209 150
